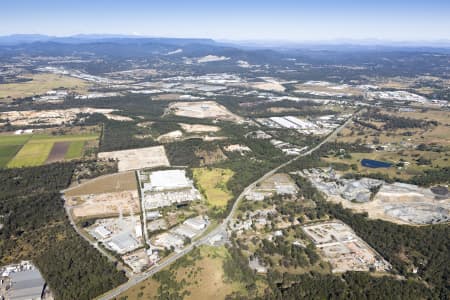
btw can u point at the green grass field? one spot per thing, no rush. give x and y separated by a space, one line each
75 150
33 150
9 146
31 154
7 152
212 182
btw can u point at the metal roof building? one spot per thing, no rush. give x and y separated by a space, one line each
26 285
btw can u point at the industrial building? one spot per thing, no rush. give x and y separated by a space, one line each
21 281
164 188
168 180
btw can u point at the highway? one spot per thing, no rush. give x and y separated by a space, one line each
220 228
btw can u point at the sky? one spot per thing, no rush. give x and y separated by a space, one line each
282 20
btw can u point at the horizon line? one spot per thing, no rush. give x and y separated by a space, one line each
346 40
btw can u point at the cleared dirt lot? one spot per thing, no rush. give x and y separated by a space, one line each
203 110
105 205
271 183
105 196
140 158
198 128
105 184
269 86
47 117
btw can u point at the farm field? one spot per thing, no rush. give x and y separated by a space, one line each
75 150
40 84
9 146
37 149
212 182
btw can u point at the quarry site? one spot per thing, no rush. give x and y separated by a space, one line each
397 202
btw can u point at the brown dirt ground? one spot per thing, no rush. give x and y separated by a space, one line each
105 184
58 152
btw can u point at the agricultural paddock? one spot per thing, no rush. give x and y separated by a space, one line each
38 149
9 146
58 152
140 158
212 183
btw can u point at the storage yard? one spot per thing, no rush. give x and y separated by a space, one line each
345 251
140 158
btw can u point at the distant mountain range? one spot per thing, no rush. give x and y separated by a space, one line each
343 44
17 39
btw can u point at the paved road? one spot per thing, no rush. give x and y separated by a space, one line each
220 228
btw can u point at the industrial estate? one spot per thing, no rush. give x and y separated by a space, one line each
188 169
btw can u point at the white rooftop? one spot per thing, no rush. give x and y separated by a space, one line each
169 179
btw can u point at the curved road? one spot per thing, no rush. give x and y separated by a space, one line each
220 228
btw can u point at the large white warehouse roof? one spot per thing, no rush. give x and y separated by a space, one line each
169 179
